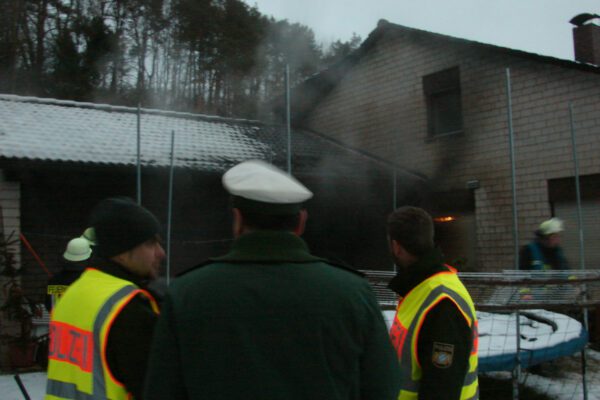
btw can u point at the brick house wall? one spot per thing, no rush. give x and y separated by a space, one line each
379 106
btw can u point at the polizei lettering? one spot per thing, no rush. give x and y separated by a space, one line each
72 345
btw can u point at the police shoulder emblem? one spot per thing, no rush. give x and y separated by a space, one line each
443 354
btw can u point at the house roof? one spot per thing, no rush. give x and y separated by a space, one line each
385 27
56 130
67 131
307 95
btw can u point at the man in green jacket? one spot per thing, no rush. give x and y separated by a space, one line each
269 320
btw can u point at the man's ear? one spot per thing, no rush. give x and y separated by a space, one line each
302 217
238 223
121 259
397 248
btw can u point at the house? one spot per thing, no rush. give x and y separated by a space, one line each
439 106
59 158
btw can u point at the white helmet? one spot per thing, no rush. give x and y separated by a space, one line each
90 235
553 225
78 249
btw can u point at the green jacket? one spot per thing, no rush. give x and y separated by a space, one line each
270 321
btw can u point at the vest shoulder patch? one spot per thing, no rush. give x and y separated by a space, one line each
56 289
442 355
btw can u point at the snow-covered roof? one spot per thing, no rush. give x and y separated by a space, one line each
53 130
47 129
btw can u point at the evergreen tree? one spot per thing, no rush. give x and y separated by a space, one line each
80 59
338 50
210 56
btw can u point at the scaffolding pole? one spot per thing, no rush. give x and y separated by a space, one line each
288 119
170 210
395 190
517 370
395 202
139 151
581 243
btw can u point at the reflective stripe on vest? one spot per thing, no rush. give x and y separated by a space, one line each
77 367
404 340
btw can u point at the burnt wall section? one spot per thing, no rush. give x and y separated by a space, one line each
346 216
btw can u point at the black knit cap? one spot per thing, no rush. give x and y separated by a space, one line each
120 225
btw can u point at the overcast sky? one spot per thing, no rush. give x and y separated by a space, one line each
538 26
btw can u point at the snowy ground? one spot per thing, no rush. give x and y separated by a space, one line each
561 379
565 385
35 384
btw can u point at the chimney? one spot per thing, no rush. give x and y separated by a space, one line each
586 38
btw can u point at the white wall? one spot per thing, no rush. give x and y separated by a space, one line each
10 204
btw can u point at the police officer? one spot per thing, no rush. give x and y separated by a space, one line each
435 328
269 320
544 252
101 329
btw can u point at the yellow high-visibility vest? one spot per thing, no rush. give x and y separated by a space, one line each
77 366
411 313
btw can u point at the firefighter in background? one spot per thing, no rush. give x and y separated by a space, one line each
90 235
435 328
75 257
101 329
544 252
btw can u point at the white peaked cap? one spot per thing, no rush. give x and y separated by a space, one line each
262 182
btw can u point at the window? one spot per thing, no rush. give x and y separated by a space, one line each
444 108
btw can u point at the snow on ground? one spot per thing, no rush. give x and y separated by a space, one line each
561 378
34 382
568 387
565 386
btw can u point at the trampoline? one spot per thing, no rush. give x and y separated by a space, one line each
545 336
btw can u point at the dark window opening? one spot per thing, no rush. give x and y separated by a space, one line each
453 214
444 107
